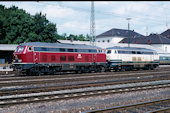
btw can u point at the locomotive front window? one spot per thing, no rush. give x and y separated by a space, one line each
19 49
108 51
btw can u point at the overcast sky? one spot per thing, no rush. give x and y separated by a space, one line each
74 17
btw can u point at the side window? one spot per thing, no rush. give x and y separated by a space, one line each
62 58
62 49
30 49
138 52
119 51
70 50
70 58
44 58
115 52
86 58
53 58
75 50
133 52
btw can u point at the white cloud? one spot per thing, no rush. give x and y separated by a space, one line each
29 7
130 7
74 27
58 11
61 12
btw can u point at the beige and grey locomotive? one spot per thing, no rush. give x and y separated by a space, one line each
128 58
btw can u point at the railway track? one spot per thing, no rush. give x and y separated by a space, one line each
23 89
156 106
38 80
82 92
41 85
16 76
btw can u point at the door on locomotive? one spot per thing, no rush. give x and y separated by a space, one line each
94 58
36 57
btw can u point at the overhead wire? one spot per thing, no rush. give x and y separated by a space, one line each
112 13
147 16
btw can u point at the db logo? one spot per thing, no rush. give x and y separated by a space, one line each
79 56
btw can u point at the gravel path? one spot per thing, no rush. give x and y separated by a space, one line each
89 103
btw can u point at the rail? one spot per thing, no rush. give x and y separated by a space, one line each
118 108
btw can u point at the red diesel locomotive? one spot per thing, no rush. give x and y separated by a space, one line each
35 58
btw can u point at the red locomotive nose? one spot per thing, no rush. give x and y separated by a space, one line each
15 56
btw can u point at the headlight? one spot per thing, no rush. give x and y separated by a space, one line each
17 61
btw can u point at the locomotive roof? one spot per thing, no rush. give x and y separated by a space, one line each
59 45
130 48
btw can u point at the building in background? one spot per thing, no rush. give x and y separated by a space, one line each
160 41
6 53
114 36
166 33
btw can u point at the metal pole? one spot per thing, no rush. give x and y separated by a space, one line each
128 31
92 24
147 33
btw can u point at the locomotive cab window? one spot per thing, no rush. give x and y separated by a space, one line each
19 49
108 51
99 51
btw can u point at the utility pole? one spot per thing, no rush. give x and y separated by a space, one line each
146 30
128 19
92 24
166 23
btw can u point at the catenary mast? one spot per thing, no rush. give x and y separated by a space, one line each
92 25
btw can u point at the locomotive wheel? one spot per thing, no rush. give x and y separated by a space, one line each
151 67
32 72
36 73
98 69
103 69
116 69
123 68
29 72
78 71
146 68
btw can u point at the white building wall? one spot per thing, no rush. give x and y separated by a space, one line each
8 47
164 47
114 39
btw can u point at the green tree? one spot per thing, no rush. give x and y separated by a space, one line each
17 26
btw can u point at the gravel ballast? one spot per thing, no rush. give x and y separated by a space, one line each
83 104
